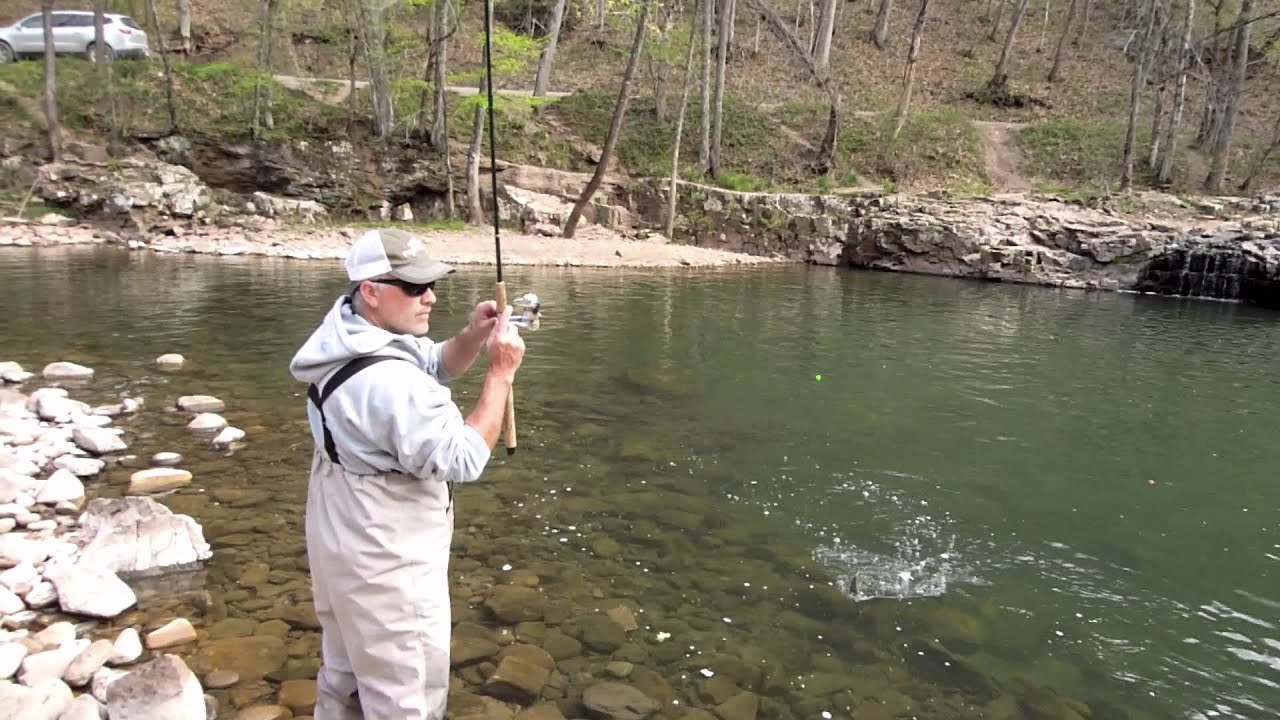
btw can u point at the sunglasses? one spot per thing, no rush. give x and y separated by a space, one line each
408 288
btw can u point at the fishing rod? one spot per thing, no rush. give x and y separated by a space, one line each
528 303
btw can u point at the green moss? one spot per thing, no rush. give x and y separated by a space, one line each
1074 153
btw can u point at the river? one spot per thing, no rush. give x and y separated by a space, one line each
899 496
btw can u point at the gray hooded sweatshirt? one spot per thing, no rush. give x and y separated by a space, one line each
392 416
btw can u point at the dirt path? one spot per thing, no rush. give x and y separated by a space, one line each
1003 158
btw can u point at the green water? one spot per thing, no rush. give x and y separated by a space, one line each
995 443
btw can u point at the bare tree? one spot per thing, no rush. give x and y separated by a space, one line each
826 28
543 78
615 125
995 20
439 58
704 138
880 36
1179 96
1062 41
372 33
909 74
1263 156
262 84
1222 143
722 59
168 71
53 126
1000 78
184 26
1044 27
1084 22
1157 62
1140 64
475 211
103 68
675 149
821 77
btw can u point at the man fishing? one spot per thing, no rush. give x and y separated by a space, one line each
390 445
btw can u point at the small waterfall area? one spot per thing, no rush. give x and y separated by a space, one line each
1219 269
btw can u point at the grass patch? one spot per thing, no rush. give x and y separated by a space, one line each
935 148
1074 153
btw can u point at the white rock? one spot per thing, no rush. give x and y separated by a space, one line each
127 648
103 680
11 657
66 371
33 400
9 366
170 361
91 590
15 549
92 420
228 436
19 620
17 376
162 688
166 459
154 480
27 517
20 578
108 410
59 409
137 534
62 486
99 441
41 595
12 484
7 524
81 466
131 405
201 404
15 508
50 664
45 702
207 422
84 707
66 507
10 603
81 670
42 525
175 632
55 636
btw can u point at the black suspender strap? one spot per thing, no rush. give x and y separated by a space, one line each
344 374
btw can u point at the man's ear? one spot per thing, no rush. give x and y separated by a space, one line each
368 295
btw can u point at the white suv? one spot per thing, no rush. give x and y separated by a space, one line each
73 35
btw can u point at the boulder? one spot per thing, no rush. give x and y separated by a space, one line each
135 535
99 441
162 688
91 589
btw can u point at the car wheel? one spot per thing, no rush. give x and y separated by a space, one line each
91 53
6 53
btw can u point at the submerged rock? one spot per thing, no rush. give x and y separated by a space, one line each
170 361
616 701
66 371
200 404
154 480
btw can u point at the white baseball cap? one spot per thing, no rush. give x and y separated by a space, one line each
389 252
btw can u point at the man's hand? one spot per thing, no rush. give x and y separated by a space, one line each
506 351
484 316
505 346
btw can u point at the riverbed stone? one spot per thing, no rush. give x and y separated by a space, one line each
201 404
11 656
464 650
84 707
231 628
170 361
227 436
103 680
207 422
20 578
252 658
264 712
59 409
601 633
517 679
98 440
126 648
91 589
175 632
81 670
42 667
79 466
220 679
63 370
154 480
138 534
513 604
41 595
618 701
161 688
166 459
298 695
46 701
54 636
62 486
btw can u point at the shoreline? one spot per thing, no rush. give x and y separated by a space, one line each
593 246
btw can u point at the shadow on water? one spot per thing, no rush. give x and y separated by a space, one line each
981 449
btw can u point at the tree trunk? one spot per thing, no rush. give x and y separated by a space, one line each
755 45
1135 95
1062 42
995 22
722 58
704 137
1000 77
1235 93
168 71
543 79
821 77
1044 27
1084 22
909 74
106 77
439 65
615 125
1179 96
262 116
1211 114
475 211
880 36
54 127
373 36
675 149
1265 155
1157 112
826 28
184 26
353 51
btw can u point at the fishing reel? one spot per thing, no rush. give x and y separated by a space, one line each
529 312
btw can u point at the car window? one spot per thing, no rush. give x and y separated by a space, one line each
78 21
129 23
31 22
64 20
